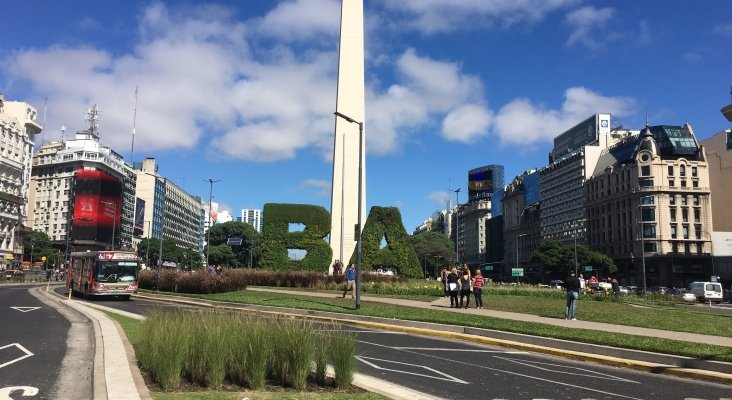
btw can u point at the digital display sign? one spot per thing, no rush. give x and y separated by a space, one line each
97 205
139 216
582 134
483 181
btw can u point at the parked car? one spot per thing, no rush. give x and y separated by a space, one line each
659 290
13 273
683 294
624 289
707 291
556 284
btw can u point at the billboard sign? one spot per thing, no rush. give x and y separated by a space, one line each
97 205
139 216
582 134
480 184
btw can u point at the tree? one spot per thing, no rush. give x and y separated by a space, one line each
222 255
558 259
246 254
439 247
37 245
149 250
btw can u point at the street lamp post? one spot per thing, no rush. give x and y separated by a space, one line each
360 205
517 252
643 241
210 220
425 265
162 230
575 254
457 225
114 218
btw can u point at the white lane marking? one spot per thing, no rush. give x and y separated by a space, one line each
445 377
360 331
25 309
468 350
21 348
25 391
441 359
584 372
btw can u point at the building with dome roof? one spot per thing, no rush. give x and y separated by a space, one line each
648 207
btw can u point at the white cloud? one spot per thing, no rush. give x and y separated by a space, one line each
302 20
428 90
321 187
589 24
691 57
522 123
466 123
723 29
437 16
440 198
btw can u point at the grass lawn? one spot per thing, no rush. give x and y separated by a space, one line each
669 318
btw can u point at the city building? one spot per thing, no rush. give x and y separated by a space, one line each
169 211
469 220
78 192
648 208
571 162
224 216
18 129
521 222
436 223
718 149
252 217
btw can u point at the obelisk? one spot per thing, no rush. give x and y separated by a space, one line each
349 102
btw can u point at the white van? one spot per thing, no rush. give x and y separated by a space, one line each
707 291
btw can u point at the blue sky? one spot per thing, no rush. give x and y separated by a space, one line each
244 91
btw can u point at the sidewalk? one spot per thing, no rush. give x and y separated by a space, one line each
443 303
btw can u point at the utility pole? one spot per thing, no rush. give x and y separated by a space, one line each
210 220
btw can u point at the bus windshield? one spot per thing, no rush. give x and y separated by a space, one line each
116 271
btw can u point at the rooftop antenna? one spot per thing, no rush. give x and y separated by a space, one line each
63 132
134 123
92 116
646 115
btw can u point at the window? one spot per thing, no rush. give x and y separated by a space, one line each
648 214
695 183
673 231
645 182
673 215
697 214
645 200
683 183
684 215
729 139
682 170
693 171
698 231
670 170
685 231
683 200
672 199
649 231
671 183
649 247
646 170
695 199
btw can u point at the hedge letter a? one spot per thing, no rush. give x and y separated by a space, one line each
386 222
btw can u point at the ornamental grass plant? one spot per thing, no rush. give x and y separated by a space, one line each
212 349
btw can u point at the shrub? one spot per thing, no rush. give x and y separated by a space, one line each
342 353
164 348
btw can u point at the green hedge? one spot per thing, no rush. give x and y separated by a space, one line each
399 254
277 239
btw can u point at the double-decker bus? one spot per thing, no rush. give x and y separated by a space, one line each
103 273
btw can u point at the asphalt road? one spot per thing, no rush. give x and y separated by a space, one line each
459 370
32 345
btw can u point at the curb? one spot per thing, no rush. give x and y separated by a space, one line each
480 336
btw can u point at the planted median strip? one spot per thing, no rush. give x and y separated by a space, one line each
615 339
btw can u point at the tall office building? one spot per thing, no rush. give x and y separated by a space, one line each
648 208
170 212
78 192
252 217
18 129
571 162
349 145
521 216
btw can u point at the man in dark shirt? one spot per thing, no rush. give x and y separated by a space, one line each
573 287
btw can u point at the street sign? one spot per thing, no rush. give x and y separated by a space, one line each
488 268
588 268
233 241
517 272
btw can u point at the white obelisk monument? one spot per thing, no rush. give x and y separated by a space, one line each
349 102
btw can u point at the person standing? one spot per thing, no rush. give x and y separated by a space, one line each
350 281
443 277
616 288
573 287
478 288
465 285
452 287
